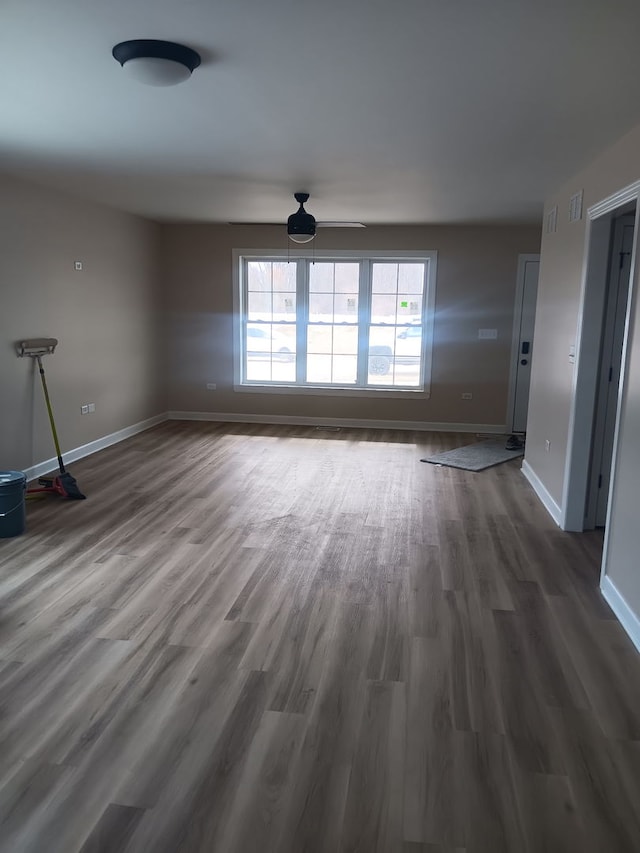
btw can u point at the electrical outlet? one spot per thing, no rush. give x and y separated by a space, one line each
211 386
547 445
467 395
92 407
84 410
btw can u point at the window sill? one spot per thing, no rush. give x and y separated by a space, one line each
324 391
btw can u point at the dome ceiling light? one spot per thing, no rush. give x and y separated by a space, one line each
156 63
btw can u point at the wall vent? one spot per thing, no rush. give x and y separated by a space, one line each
575 207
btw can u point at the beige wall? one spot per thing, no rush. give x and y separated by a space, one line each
475 289
105 317
557 318
559 290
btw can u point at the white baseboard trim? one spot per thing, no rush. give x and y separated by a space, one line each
540 489
627 618
93 446
295 420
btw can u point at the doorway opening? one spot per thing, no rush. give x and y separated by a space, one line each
606 405
524 317
603 322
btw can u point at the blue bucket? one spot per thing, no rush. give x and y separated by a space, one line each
13 485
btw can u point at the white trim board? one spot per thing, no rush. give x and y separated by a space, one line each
70 456
623 612
540 489
614 201
49 465
293 420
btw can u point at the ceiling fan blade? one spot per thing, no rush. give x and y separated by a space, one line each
318 224
340 225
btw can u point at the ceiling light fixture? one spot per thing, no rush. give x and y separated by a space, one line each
156 63
301 226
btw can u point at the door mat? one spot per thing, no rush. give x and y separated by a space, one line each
476 457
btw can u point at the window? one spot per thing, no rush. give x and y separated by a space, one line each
328 323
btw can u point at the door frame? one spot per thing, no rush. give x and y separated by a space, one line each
523 260
586 374
603 405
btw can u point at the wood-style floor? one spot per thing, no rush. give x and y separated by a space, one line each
255 639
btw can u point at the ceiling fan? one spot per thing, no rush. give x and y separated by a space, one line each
301 226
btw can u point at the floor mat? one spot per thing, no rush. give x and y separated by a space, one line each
476 457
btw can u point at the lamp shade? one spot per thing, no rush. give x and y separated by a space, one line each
156 63
301 238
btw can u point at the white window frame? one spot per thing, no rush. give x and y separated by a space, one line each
422 391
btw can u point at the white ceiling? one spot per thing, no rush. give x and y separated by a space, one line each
386 111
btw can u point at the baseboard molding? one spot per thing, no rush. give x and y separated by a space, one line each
93 446
540 489
294 420
627 618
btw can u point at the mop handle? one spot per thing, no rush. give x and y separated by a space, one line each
51 421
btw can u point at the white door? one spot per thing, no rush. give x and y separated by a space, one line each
610 364
522 349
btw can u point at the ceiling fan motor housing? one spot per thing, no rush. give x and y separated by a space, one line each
301 222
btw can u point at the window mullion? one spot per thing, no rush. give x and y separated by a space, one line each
364 318
244 311
302 319
424 322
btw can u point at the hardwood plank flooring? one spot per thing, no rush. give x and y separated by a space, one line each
272 639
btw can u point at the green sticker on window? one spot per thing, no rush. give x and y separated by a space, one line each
404 304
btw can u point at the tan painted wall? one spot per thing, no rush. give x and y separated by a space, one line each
475 289
559 288
105 317
561 272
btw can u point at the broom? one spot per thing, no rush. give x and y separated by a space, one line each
63 483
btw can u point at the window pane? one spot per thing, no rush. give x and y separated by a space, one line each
383 307
259 275
271 371
344 369
395 356
333 339
321 307
271 291
346 307
284 306
319 368
319 339
271 352
332 354
408 307
333 292
259 306
397 292
345 340
321 278
385 278
411 278
347 277
328 369
284 277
